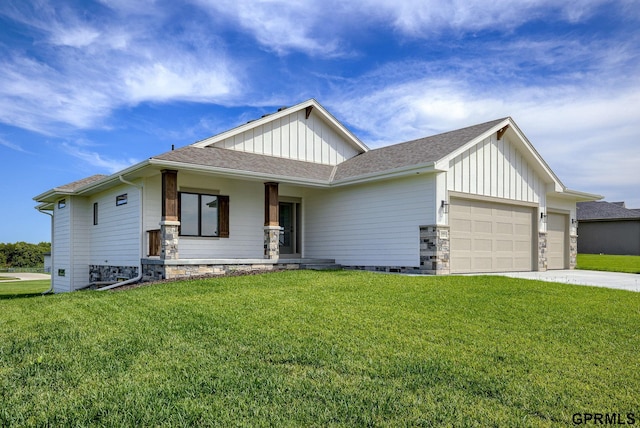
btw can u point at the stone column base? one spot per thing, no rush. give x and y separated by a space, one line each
435 250
573 251
271 242
542 251
169 239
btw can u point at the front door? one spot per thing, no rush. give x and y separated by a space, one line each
289 228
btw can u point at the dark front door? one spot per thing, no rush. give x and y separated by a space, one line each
289 227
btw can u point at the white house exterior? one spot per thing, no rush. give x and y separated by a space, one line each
296 188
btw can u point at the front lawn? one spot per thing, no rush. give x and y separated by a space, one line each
304 348
9 289
628 264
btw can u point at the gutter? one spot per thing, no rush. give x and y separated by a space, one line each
50 290
139 277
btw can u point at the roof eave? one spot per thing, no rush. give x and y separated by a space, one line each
56 192
425 168
237 173
576 195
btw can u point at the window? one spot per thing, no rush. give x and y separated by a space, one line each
95 213
62 203
204 215
121 199
61 272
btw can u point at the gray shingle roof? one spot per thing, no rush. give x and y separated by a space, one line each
415 152
601 210
243 161
70 187
411 153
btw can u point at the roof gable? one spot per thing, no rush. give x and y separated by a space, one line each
305 132
507 129
414 153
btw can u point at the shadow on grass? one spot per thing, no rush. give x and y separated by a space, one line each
20 296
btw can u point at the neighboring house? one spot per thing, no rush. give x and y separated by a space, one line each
296 187
47 262
608 228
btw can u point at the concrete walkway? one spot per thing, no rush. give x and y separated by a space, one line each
25 276
621 281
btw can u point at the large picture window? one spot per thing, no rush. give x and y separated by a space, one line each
204 215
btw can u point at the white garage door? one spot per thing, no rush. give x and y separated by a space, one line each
556 240
490 237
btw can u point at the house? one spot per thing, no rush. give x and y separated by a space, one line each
608 228
297 188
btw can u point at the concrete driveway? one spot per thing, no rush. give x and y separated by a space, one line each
26 276
621 281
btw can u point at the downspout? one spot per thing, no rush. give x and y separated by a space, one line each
50 290
141 249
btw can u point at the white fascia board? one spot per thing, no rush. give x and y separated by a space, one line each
576 195
355 141
427 168
237 173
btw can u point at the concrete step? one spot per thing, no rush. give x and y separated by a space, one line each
320 266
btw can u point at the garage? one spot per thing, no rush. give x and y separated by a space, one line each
556 240
487 236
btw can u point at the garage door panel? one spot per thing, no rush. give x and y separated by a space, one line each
483 227
490 237
482 245
556 240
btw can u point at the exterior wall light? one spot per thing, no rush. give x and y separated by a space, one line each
543 217
445 207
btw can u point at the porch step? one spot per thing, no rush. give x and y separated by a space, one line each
320 266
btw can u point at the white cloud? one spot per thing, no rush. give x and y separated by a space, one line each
12 146
90 70
96 160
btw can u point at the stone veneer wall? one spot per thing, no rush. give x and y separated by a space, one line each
271 242
435 250
153 271
542 251
100 273
573 251
169 239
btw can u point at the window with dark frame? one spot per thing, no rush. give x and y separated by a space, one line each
62 203
95 213
203 215
121 199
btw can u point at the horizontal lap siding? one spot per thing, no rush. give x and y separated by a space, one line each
372 224
246 221
294 137
61 250
114 241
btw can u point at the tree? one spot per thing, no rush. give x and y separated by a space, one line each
23 254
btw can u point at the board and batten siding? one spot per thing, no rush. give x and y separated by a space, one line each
374 224
294 137
496 168
115 241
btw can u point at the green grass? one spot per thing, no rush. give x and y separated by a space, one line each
628 264
303 348
8 278
12 289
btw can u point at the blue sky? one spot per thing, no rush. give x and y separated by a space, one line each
94 86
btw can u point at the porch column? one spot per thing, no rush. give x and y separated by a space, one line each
271 221
169 225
